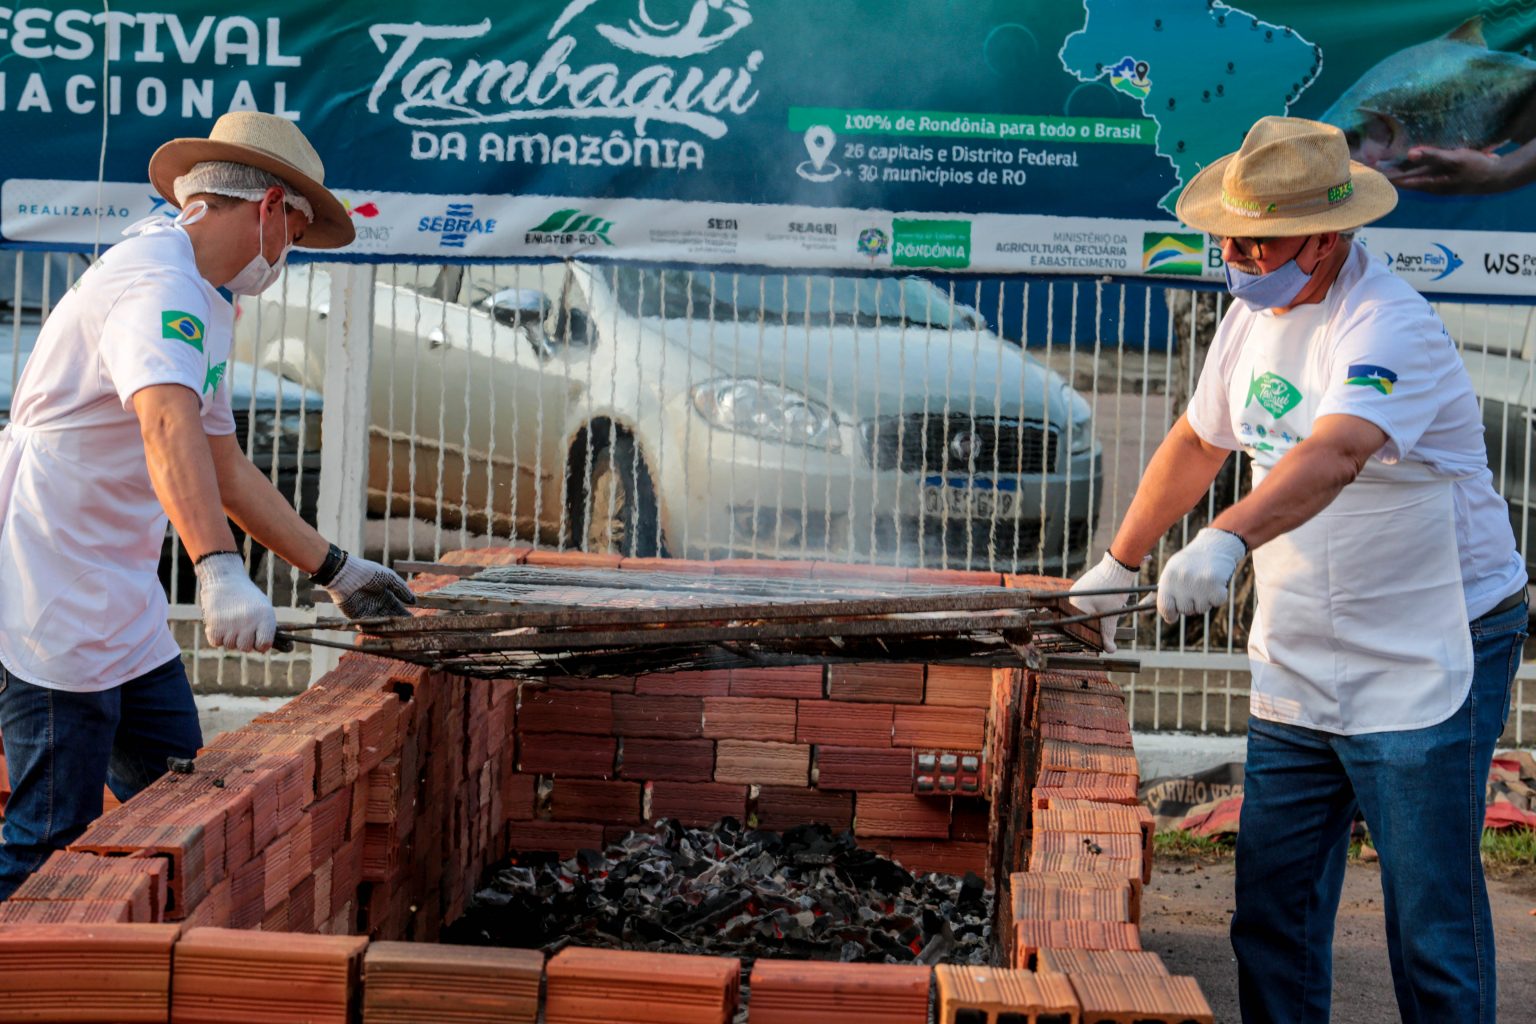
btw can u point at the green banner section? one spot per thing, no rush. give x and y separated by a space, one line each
1005 127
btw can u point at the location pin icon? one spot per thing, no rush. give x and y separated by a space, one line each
819 140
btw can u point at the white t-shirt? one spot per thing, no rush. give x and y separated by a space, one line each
1388 359
81 605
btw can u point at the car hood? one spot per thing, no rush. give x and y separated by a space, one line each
865 372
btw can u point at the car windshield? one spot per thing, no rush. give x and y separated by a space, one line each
788 298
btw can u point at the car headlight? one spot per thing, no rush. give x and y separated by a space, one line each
767 411
287 431
1080 427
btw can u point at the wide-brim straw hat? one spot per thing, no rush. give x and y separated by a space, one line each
1291 177
273 144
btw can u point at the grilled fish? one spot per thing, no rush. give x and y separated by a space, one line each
1451 93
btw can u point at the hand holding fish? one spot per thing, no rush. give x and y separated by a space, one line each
1465 171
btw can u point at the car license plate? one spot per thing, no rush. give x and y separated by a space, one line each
969 502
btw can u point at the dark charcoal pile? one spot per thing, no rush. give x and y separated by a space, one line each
732 891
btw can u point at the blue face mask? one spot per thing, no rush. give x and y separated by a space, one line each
1275 290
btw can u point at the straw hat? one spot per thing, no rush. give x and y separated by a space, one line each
1291 177
273 144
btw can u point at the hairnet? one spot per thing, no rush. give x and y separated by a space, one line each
238 181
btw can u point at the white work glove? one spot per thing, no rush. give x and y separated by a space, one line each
1195 580
363 589
236 614
1109 574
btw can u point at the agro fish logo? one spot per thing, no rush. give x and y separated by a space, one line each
182 326
1272 391
1365 375
1442 264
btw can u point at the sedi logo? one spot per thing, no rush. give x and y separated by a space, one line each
456 225
570 227
931 243
1164 252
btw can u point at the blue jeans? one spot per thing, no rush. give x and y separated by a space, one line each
1422 793
61 747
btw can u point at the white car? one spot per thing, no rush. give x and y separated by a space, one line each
706 415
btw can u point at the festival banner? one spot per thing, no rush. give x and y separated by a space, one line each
971 136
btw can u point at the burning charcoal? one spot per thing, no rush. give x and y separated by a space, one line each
971 889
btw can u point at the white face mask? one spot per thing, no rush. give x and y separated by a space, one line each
259 275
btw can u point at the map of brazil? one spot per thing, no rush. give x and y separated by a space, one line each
1203 71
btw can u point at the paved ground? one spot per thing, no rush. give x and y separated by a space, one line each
1188 905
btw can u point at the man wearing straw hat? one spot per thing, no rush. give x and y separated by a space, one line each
121 420
1391 598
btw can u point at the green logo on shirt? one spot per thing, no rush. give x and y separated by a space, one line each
1272 391
183 327
214 376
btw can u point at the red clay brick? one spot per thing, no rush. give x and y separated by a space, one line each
94 972
942 727
809 992
677 718
411 982
1141 998
844 724
675 760
560 837
615 803
749 718
769 568
888 683
783 764
800 682
517 796
945 858
699 804
859 574
866 769
954 578
588 712
958 686
993 993
221 975
685 684
1032 936
567 755
599 986
572 559
784 807
889 814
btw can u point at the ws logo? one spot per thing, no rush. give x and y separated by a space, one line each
1521 263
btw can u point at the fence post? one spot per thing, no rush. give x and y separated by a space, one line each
343 500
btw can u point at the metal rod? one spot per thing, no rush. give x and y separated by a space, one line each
1145 606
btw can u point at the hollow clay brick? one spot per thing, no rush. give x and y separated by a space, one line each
414 982
1029 937
714 683
887 683
1099 961
784 807
999 992
221 975
678 718
749 718
866 769
572 559
954 578
600 986
777 764
889 814
799 682
585 712
942 857
676 760
958 686
615 803
554 836
942 727
698 804
811 992
567 755
1140 999
1078 757
844 724
128 968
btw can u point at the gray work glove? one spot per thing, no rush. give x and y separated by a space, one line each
1109 574
363 589
1195 580
236 614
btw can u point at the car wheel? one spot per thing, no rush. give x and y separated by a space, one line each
613 502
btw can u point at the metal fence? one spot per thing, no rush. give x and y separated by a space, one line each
918 421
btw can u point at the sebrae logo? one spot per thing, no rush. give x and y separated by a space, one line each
182 327
456 225
439 76
570 227
1165 252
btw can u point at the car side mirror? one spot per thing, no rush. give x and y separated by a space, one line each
519 307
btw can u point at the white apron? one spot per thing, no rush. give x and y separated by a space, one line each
1361 623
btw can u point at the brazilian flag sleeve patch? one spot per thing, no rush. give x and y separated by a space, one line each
183 327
